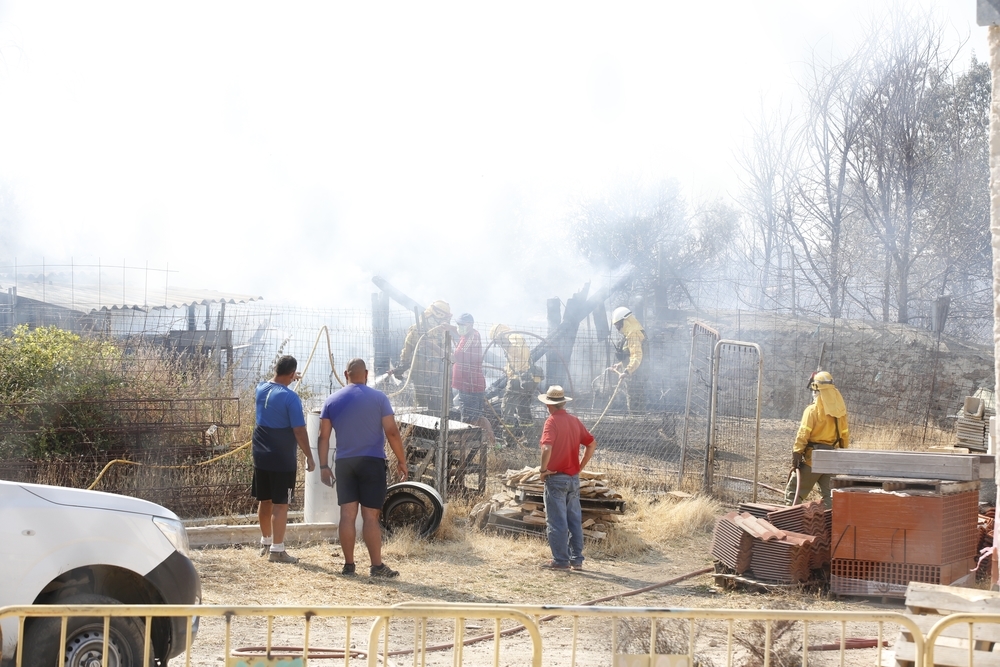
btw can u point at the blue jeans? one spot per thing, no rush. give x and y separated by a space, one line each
564 519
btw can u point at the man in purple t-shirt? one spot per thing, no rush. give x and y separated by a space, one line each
362 419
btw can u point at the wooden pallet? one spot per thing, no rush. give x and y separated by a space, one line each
503 524
727 579
607 505
937 487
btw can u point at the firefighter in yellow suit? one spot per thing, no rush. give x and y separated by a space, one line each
522 375
824 426
426 364
630 351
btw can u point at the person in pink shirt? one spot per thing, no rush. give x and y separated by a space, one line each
562 438
467 375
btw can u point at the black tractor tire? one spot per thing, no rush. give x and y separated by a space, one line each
84 638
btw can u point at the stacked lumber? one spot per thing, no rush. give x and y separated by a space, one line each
775 555
520 508
593 485
926 604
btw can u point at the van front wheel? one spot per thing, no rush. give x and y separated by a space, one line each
84 639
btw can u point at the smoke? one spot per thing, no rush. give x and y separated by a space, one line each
10 224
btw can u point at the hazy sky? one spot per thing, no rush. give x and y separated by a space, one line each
293 150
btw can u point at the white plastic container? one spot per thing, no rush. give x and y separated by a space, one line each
321 500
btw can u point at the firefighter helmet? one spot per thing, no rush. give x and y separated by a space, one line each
440 309
497 330
818 378
619 314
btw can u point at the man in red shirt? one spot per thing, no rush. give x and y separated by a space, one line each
562 438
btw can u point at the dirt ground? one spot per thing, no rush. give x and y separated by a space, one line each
658 540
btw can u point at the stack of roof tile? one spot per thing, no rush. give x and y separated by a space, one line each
759 510
810 519
775 555
731 544
783 560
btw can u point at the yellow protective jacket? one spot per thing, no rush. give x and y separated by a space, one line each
518 356
634 337
432 346
819 427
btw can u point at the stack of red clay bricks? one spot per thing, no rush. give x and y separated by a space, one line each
901 522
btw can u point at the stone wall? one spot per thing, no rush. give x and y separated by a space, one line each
885 371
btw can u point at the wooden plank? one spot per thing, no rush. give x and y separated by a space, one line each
909 487
987 632
951 599
910 465
949 656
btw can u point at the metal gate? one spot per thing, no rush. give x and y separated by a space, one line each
733 453
697 405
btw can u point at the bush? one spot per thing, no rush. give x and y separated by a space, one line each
58 393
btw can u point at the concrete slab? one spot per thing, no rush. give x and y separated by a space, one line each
223 535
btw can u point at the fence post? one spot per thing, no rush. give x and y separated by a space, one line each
442 457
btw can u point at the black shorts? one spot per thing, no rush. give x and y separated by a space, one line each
278 487
472 405
361 479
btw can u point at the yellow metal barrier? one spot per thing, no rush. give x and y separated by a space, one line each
971 645
612 618
616 636
270 652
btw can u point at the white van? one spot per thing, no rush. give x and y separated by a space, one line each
69 546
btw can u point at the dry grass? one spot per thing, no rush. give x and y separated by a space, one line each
651 523
906 437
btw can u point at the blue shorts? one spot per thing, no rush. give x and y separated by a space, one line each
361 479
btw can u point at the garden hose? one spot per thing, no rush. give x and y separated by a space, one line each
329 351
295 651
163 467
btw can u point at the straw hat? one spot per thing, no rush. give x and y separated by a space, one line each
554 396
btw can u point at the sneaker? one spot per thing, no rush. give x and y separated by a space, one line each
348 569
576 567
281 557
382 570
552 565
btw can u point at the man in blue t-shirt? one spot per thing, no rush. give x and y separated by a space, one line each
362 419
280 426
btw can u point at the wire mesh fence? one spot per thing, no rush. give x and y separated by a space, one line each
901 385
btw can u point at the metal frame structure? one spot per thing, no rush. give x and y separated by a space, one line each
713 411
699 329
